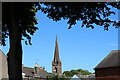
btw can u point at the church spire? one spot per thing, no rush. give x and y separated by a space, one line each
56 63
56 53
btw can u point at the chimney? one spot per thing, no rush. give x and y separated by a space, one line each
36 69
43 68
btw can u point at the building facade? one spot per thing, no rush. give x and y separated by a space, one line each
35 73
3 66
27 72
109 67
56 63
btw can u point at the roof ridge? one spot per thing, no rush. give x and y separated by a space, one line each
28 67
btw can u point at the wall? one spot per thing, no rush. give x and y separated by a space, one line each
0 65
108 73
3 65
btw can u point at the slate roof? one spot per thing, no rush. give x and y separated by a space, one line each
111 60
43 73
30 72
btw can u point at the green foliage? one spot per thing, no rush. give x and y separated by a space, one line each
80 70
76 72
24 14
68 73
55 77
85 72
88 13
93 72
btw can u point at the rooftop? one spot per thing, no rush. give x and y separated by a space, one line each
111 60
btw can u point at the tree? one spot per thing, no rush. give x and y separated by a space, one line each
68 73
85 72
18 22
87 13
74 72
80 70
56 77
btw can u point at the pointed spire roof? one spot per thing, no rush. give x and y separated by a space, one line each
56 53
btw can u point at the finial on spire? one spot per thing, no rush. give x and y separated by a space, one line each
56 38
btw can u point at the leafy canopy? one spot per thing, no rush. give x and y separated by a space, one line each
76 72
88 13
25 18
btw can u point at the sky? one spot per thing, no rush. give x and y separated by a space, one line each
79 48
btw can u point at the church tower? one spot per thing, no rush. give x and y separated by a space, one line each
56 63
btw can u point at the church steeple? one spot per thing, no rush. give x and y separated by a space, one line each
56 53
56 63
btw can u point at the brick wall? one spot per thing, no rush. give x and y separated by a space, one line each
112 73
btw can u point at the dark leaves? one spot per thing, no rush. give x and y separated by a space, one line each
115 4
5 34
26 18
90 26
106 26
88 13
85 12
117 24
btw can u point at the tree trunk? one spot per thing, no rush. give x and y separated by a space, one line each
15 51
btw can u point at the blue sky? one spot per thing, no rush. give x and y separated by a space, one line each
78 47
